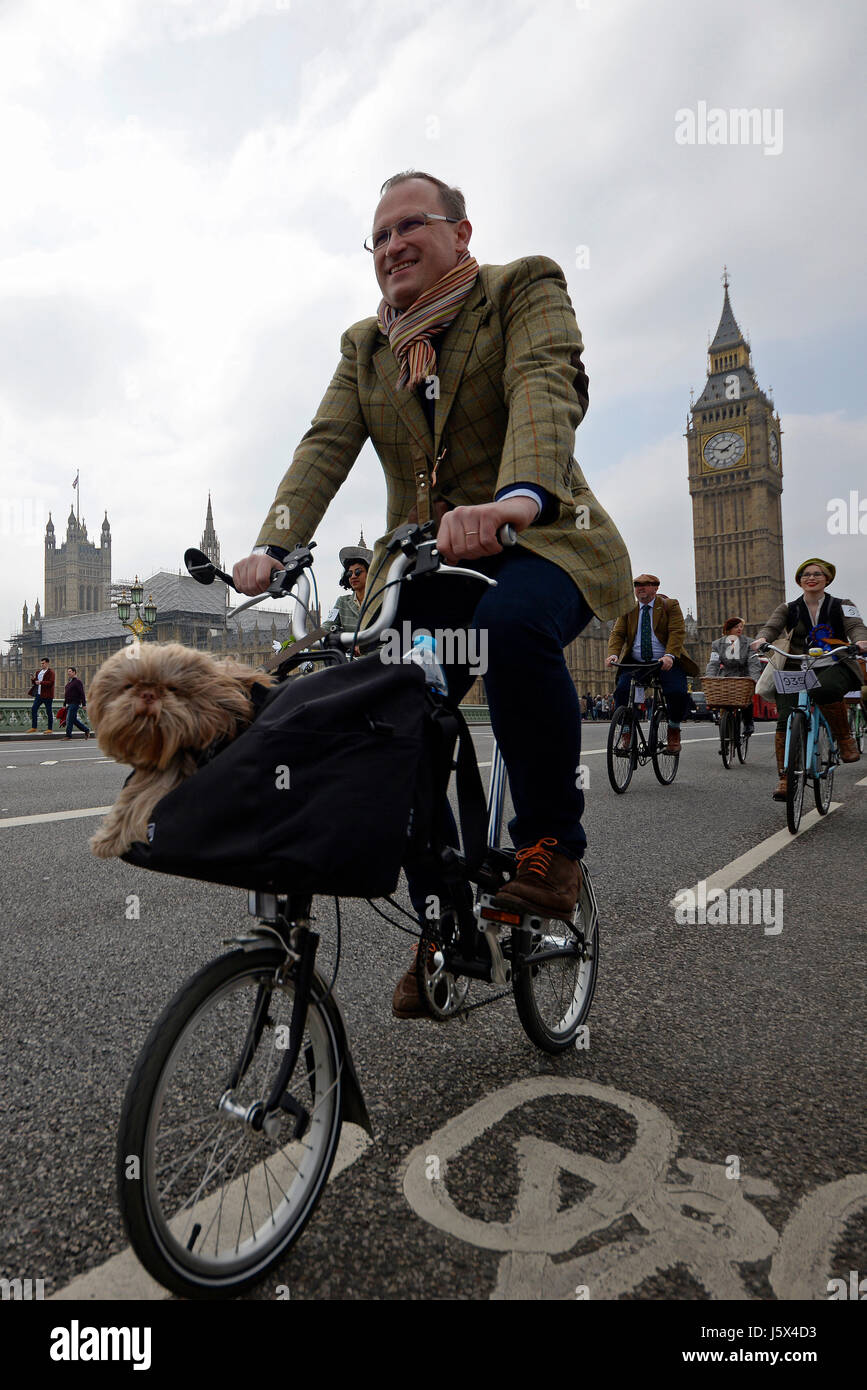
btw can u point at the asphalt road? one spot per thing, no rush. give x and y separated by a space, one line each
710 1141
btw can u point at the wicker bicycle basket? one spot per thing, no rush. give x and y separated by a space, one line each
733 692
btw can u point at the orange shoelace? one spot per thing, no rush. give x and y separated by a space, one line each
536 859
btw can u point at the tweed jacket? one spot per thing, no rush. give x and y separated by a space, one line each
344 613
746 664
668 624
853 626
511 389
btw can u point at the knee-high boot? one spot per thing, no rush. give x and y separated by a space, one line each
839 721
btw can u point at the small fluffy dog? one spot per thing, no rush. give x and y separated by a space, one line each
158 707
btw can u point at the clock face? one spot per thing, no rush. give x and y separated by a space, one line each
724 450
774 449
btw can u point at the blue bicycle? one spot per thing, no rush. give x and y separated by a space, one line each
811 749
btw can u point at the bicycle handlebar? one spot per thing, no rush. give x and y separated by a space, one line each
808 661
415 544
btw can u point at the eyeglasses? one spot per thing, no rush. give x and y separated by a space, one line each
405 227
355 574
645 585
813 574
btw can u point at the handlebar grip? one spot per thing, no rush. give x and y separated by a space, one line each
507 535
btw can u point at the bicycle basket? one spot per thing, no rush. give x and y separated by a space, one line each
314 797
733 691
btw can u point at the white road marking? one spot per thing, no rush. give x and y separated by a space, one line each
862 782
55 815
746 863
688 1212
50 762
122 1277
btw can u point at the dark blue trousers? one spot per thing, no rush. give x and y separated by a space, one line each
673 683
519 630
34 713
73 721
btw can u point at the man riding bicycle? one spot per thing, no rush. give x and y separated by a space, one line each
470 384
653 630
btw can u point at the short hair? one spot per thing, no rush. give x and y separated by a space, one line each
452 199
730 623
45 658
73 668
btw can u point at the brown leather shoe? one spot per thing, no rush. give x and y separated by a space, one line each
672 743
625 741
406 1001
547 882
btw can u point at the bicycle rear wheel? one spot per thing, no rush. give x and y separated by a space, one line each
742 738
856 724
727 737
796 770
621 761
664 763
553 997
210 1202
823 778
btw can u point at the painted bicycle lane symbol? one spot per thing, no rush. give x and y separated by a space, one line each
690 1213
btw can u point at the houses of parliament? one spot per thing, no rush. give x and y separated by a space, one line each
734 470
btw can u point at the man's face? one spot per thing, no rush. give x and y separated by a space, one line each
44 663
70 672
645 593
407 266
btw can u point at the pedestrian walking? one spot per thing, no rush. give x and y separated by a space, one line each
42 687
73 698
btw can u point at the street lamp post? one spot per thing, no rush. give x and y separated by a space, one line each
145 618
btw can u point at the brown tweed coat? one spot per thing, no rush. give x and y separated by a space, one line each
668 624
511 390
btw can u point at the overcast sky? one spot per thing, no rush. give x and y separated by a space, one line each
185 186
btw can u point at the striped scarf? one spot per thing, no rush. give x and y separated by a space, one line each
410 330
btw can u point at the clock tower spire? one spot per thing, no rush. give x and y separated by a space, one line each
735 481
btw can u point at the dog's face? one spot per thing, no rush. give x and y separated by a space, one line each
150 701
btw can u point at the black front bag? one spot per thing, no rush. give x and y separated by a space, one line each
314 797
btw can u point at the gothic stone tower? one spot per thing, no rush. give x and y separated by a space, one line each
78 575
210 545
735 481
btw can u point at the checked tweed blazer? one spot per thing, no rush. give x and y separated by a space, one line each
512 392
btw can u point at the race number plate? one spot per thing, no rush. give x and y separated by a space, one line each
793 682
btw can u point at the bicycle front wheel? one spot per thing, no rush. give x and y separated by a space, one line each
664 762
209 1201
796 770
727 737
553 997
823 777
856 724
621 761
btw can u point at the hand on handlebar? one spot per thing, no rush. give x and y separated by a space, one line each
252 575
468 533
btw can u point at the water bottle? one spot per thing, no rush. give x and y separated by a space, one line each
424 654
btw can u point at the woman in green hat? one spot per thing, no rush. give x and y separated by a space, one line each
355 560
817 619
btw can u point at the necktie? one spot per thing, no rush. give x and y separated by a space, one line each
646 642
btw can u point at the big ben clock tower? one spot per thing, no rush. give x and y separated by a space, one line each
735 481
